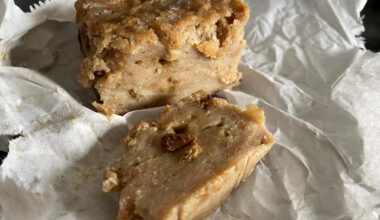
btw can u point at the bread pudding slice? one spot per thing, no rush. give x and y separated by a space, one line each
144 53
183 165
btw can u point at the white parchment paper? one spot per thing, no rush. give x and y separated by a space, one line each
304 65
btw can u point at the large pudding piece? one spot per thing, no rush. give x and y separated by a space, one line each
144 53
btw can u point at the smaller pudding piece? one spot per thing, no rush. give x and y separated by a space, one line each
183 165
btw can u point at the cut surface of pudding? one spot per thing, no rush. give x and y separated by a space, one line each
184 164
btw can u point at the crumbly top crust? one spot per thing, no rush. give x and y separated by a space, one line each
163 18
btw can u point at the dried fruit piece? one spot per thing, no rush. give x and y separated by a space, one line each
173 142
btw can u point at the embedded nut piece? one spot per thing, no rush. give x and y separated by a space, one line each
213 147
192 152
156 52
173 142
111 182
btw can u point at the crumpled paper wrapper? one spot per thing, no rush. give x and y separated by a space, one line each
304 65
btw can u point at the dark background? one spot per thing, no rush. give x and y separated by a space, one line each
371 15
